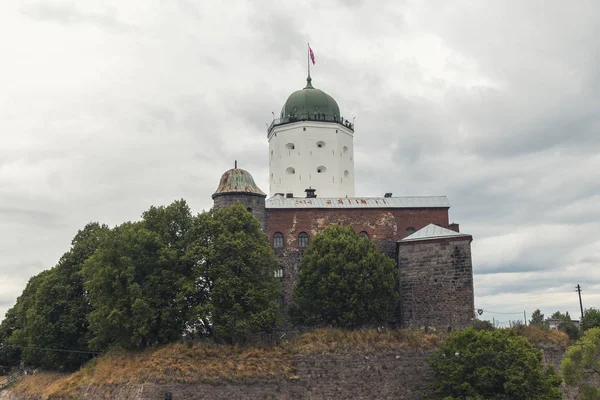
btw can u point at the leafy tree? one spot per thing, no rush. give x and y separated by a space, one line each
481 325
559 315
591 319
581 364
234 273
570 329
345 281
491 365
537 319
135 279
57 317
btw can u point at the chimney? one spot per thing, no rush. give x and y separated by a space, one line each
310 193
454 227
388 195
289 195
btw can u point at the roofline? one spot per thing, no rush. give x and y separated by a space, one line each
462 236
238 193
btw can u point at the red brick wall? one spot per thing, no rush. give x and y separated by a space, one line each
382 224
385 227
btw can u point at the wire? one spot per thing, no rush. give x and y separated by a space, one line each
494 312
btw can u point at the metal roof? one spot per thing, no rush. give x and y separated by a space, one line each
432 231
358 202
237 180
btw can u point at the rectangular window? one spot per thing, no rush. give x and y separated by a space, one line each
278 273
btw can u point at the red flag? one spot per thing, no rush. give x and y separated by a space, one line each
312 55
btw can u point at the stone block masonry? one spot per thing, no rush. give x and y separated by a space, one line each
436 283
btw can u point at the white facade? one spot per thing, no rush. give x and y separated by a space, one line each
311 154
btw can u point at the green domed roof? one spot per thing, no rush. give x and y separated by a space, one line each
237 180
312 100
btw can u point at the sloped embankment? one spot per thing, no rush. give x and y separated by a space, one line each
323 364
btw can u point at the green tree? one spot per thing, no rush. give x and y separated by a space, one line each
537 318
581 364
345 281
135 280
591 319
57 317
562 316
234 273
491 365
12 334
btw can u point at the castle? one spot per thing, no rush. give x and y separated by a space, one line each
311 185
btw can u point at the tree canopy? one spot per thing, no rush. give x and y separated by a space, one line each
581 364
591 319
146 283
491 365
235 272
537 318
345 281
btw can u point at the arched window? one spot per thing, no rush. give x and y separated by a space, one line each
302 239
278 239
249 209
410 231
290 146
321 169
364 235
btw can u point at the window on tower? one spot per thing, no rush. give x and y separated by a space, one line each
410 231
278 239
303 239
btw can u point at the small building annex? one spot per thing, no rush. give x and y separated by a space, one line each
311 185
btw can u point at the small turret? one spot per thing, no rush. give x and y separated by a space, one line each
238 185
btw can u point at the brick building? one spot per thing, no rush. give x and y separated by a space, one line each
310 155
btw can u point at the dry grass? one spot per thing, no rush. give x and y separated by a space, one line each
207 362
332 341
545 338
42 384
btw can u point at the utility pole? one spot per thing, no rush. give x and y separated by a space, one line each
578 290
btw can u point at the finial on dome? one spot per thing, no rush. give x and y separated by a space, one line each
308 82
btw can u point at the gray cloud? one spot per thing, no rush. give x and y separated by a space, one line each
70 14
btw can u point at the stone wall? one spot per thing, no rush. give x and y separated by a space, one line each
436 283
382 375
254 203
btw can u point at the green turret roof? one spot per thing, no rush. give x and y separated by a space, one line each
312 100
237 180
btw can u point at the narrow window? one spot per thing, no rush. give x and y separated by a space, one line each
278 239
364 235
410 231
302 239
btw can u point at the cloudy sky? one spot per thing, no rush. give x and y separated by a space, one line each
108 107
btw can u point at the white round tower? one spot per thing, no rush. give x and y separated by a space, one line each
310 147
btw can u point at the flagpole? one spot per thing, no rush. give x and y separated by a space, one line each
308 59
